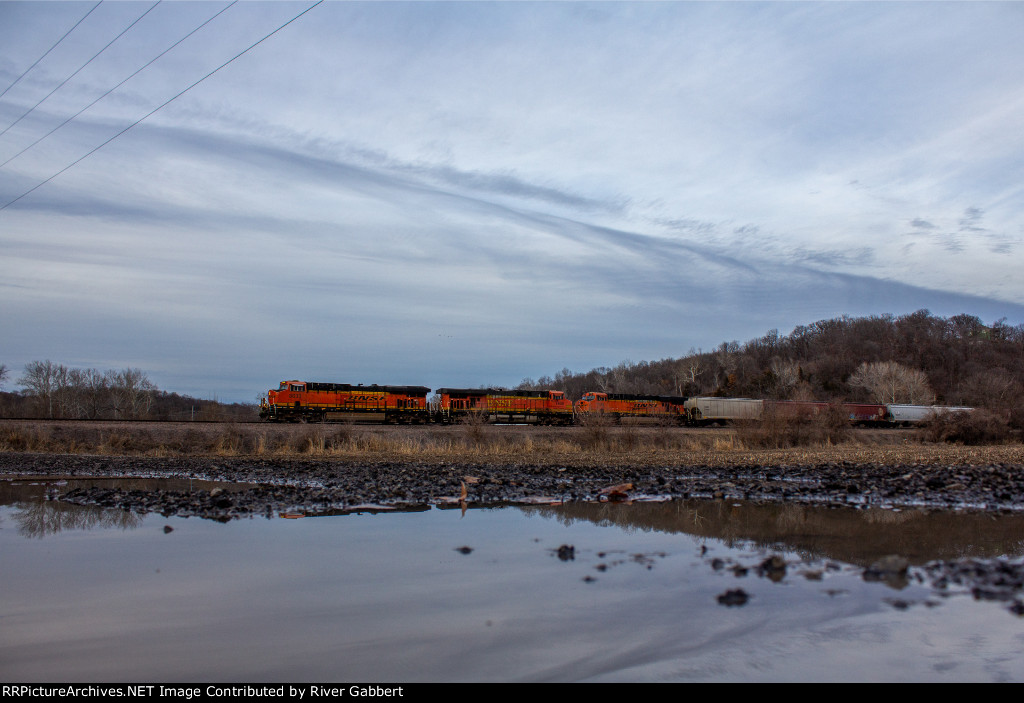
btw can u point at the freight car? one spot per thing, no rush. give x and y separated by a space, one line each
719 411
864 414
299 401
541 407
907 415
620 406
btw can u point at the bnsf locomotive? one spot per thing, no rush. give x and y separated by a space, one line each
300 401
494 405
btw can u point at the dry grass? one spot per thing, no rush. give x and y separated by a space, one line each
597 444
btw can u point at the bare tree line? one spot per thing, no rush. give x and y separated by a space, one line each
63 392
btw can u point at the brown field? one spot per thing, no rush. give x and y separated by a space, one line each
509 445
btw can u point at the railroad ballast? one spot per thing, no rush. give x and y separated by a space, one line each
303 401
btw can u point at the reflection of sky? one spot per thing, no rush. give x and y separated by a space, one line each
469 193
388 597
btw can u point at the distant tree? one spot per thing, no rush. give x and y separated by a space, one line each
44 380
94 392
132 392
786 376
4 373
890 382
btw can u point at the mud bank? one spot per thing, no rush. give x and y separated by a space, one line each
321 485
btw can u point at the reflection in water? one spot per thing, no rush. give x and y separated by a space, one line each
41 518
38 514
855 536
571 593
846 534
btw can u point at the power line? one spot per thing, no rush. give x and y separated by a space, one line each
50 49
225 9
81 67
160 107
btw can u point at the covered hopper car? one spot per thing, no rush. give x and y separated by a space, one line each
915 414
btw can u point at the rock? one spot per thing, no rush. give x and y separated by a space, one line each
736 596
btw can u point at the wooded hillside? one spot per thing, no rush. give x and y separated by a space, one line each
916 358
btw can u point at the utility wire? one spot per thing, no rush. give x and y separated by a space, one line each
160 107
118 85
50 49
81 67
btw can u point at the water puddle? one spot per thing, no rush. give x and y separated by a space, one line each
673 591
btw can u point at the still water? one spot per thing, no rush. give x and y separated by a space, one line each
494 595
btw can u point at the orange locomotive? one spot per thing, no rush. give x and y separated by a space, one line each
540 407
619 406
297 401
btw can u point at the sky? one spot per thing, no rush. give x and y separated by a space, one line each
470 193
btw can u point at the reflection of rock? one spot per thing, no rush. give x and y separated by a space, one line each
999 580
774 567
891 570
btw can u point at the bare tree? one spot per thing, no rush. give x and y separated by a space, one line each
93 393
4 373
890 382
688 370
43 379
786 374
132 392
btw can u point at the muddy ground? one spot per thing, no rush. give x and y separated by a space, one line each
319 484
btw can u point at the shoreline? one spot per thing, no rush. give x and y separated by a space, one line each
987 482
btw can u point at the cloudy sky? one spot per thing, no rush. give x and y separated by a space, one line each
468 193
